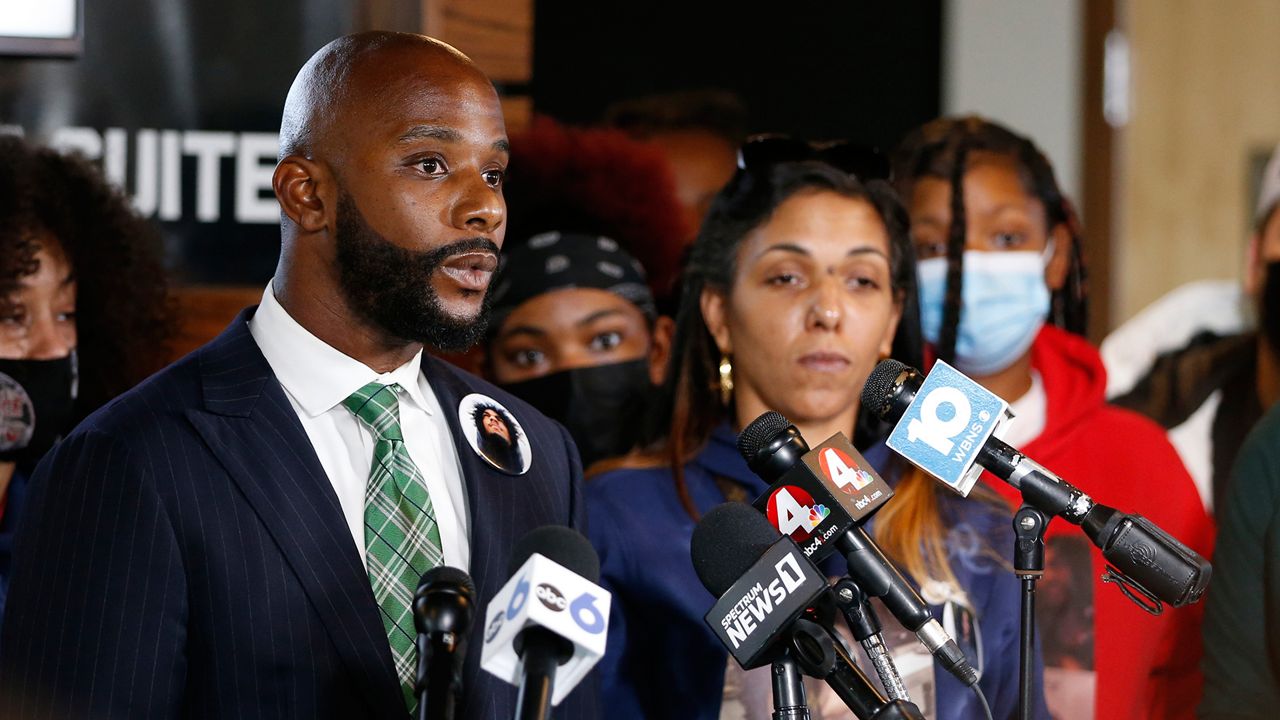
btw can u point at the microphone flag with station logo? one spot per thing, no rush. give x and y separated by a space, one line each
546 595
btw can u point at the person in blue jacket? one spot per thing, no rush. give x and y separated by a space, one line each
800 281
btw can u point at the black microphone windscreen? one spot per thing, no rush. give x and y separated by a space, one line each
727 542
876 392
444 576
760 431
560 544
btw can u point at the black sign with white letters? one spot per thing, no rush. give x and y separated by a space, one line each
764 601
180 104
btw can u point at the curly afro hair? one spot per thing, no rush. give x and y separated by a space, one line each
124 314
598 182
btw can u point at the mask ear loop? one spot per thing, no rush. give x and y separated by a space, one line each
1046 255
75 374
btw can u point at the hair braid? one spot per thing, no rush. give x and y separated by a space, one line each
952 306
1070 309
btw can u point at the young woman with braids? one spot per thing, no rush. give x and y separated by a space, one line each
84 310
1002 298
799 283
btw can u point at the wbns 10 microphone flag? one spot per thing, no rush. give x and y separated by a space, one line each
944 426
954 416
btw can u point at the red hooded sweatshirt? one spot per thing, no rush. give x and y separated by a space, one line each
1144 666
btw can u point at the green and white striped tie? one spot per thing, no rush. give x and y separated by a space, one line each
401 538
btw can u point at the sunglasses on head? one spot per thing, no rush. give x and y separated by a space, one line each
864 163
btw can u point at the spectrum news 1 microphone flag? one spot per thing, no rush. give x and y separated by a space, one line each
766 611
846 491
764 599
543 593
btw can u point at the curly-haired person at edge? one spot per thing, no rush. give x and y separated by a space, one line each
84 309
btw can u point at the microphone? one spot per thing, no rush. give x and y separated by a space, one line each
765 586
546 626
775 450
763 582
944 426
442 612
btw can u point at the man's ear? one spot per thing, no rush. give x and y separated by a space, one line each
1254 268
1055 273
299 185
713 304
664 330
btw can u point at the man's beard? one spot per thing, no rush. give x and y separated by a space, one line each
390 286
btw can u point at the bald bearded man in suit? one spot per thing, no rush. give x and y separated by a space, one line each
214 543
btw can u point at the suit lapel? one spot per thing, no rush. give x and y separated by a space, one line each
497 518
255 434
489 492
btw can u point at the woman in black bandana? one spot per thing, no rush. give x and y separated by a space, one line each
575 333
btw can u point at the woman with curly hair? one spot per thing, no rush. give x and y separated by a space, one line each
84 308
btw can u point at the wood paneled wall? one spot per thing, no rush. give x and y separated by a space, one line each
1097 196
203 312
1205 97
498 36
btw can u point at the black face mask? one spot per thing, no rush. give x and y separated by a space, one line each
600 406
37 399
1269 307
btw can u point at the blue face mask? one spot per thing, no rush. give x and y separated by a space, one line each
1004 304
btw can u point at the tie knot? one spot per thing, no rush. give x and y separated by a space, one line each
377 406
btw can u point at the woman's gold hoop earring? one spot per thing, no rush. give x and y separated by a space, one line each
726 380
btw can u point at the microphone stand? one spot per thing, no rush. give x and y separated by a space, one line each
1028 564
865 626
541 652
822 658
424 658
788 690
437 694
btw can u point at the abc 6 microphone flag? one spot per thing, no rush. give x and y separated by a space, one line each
946 425
549 595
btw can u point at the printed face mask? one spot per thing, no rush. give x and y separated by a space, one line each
1004 303
600 406
37 401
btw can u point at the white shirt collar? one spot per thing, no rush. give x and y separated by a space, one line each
1030 413
316 374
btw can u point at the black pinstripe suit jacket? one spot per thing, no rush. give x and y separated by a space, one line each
183 554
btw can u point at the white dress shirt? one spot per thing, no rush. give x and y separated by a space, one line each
1030 413
317 378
